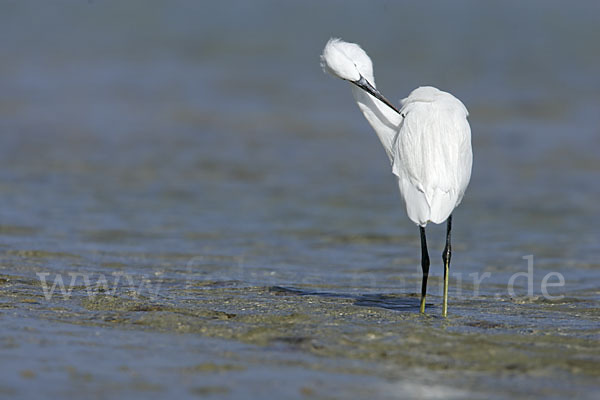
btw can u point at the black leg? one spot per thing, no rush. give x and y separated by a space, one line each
446 255
424 266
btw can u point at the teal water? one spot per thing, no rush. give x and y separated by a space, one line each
238 224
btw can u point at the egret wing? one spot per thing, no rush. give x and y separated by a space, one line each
432 158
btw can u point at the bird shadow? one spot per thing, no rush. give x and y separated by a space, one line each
397 302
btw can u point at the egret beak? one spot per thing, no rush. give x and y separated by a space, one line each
367 87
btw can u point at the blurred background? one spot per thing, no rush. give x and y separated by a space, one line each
139 135
163 118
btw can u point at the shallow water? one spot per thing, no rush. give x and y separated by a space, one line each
230 225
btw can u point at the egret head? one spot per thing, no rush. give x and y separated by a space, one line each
349 61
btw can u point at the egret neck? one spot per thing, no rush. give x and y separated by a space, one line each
382 118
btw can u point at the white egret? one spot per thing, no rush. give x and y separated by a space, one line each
428 143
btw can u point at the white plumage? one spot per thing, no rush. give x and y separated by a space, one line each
428 144
432 154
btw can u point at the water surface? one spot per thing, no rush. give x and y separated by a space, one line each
238 225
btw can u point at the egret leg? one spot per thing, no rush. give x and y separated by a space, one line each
425 267
446 258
